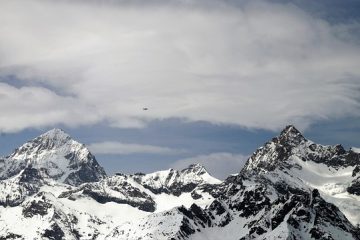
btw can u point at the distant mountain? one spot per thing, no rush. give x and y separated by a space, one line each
291 188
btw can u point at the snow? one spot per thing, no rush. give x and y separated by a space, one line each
319 174
332 185
157 226
236 229
14 222
165 202
112 213
84 209
168 178
354 149
96 218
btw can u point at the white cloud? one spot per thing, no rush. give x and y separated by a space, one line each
39 107
219 165
119 148
261 65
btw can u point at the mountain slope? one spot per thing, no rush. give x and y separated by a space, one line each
151 192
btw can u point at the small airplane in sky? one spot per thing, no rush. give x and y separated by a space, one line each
145 109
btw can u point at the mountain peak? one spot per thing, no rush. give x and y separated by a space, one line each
290 130
291 135
276 151
54 132
198 171
56 135
196 168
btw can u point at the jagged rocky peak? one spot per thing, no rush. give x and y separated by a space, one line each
275 151
284 150
290 135
196 168
65 159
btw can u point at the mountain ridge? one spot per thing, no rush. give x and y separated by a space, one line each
290 188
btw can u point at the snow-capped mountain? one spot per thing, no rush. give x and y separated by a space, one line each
291 188
332 170
56 153
174 181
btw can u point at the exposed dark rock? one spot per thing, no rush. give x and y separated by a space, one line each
258 230
11 236
148 205
195 195
185 228
356 170
284 210
36 208
89 171
54 233
217 207
354 188
200 214
30 175
253 202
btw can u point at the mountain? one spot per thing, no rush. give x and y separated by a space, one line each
290 188
56 153
332 170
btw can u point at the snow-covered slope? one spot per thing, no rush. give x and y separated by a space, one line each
291 188
156 191
354 149
63 158
44 207
176 182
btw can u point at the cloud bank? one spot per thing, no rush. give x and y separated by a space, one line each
119 148
258 65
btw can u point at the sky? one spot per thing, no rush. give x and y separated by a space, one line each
219 77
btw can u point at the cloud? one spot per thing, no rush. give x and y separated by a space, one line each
38 107
258 65
219 165
119 148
